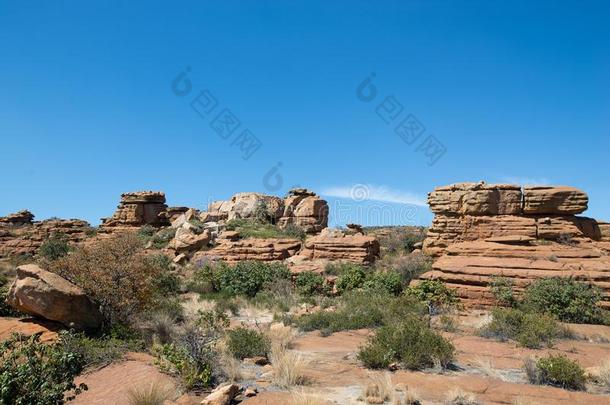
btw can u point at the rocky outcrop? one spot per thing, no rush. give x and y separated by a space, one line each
554 200
245 205
476 199
473 211
301 207
137 209
232 250
306 210
478 233
23 217
16 240
41 293
334 245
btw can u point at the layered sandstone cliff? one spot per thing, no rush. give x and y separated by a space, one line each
137 209
21 235
484 230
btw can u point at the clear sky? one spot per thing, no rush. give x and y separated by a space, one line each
92 105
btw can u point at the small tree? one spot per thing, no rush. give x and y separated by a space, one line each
116 274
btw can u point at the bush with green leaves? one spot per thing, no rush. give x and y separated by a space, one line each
158 238
175 359
248 277
97 351
54 248
36 373
565 298
119 276
502 290
5 309
168 282
192 356
433 293
410 342
530 330
310 283
362 309
244 342
352 276
556 370
408 266
389 281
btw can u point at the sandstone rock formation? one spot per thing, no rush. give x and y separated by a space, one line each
26 239
484 230
23 217
246 205
137 209
301 207
233 250
305 209
334 245
41 293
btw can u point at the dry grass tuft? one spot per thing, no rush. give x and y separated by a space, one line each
604 374
457 396
153 394
301 398
408 397
288 367
523 401
486 367
281 336
379 389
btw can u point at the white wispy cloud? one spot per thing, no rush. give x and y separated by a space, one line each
526 181
362 192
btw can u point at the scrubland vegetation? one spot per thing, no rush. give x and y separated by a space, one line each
141 298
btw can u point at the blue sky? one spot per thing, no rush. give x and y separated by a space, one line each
510 91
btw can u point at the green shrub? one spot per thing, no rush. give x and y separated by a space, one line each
54 248
203 281
568 300
216 320
408 266
389 281
117 274
36 373
294 231
361 309
433 293
410 342
244 342
96 351
249 277
167 282
146 232
502 290
557 370
161 238
309 283
5 308
175 359
351 277
530 330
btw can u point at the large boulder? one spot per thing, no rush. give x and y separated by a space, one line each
476 199
306 210
41 293
231 249
334 245
244 205
554 200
